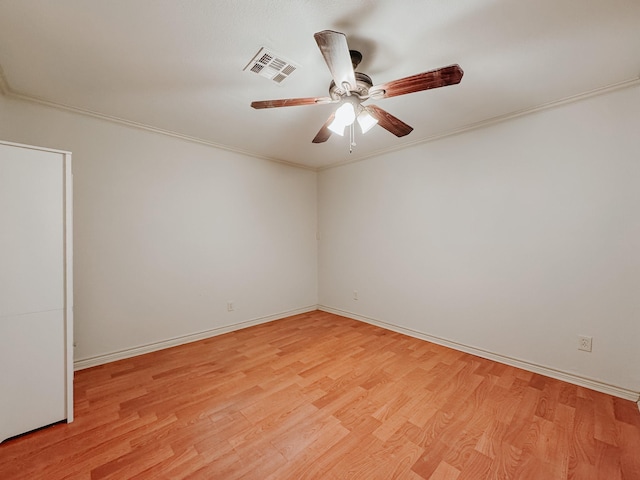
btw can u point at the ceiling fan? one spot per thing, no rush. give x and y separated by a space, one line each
351 89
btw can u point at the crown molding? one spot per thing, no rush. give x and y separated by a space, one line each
4 86
6 90
495 120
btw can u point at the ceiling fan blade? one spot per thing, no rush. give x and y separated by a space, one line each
324 133
441 77
291 102
389 122
335 51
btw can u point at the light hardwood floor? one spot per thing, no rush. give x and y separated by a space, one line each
318 396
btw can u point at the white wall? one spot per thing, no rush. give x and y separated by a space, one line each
167 231
513 239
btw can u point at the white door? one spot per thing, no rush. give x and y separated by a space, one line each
33 289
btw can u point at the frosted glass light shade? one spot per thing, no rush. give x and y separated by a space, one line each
366 121
337 127
345 115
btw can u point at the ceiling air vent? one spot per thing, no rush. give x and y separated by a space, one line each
270 65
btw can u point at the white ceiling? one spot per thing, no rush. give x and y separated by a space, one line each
177 65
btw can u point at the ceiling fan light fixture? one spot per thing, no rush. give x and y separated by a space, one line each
337 128
345 115
366 121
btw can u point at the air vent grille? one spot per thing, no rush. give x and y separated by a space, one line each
288 70
270 65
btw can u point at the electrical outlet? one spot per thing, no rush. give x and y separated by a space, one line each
355 295
584 343
229 306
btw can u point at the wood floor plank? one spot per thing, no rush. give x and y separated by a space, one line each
319 396
444 471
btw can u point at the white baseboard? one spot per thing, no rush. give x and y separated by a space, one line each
514 362
193 337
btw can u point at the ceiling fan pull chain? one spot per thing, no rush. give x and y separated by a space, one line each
352 137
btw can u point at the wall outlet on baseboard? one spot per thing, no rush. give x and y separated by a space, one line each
229 306
584 343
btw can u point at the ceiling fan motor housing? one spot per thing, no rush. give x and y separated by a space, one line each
363 84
